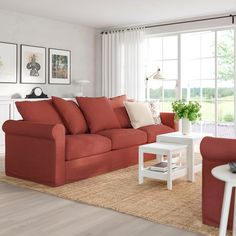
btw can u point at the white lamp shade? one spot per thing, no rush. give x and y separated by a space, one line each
158 75
80 84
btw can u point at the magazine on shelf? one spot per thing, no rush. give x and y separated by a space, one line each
162 167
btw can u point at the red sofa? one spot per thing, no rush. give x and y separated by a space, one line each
215 152
58 142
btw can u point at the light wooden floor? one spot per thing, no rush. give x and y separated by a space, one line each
25 212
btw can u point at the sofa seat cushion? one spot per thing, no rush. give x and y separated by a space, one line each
123 138
154 130
82 145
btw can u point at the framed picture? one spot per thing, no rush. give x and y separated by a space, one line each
33 65
8 62
59 66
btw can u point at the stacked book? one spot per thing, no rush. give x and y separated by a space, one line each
162 167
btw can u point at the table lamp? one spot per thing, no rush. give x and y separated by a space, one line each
80 84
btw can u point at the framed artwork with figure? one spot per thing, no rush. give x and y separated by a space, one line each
33 64
59 66
8 62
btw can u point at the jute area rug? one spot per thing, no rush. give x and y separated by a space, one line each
119 191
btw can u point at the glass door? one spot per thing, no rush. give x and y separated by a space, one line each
225 83
207 76
198 75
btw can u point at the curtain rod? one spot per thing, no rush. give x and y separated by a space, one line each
179 22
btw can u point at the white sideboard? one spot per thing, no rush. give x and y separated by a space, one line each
8 111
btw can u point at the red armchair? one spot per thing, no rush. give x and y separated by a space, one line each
215 152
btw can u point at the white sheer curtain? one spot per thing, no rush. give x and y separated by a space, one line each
122 63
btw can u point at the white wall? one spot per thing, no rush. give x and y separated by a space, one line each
31 30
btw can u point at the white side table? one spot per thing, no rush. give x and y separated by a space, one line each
167 149
190 140
223 173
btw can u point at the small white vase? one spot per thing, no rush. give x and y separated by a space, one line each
186 126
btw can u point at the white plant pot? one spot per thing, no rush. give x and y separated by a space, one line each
186 126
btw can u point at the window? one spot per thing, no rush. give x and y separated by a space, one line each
162 52
205 60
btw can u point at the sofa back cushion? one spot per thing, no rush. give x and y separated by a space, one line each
71 114
117 103
39 111
98 113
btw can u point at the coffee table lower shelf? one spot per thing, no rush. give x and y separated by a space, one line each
176 173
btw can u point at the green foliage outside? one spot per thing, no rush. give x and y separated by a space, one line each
229 118
195 93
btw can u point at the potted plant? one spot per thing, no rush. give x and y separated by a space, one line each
188 112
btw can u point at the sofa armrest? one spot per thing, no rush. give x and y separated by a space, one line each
218 149
168 118
33 129
35 151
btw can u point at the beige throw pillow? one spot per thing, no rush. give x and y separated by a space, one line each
139 113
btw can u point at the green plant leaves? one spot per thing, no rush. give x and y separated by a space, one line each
190 111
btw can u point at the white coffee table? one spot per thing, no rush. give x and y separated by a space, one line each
168 149
190 140
223 173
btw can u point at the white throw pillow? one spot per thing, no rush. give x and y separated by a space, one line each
139 113
155 109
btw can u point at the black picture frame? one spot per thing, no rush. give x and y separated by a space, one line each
21 64
56 81
16 63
